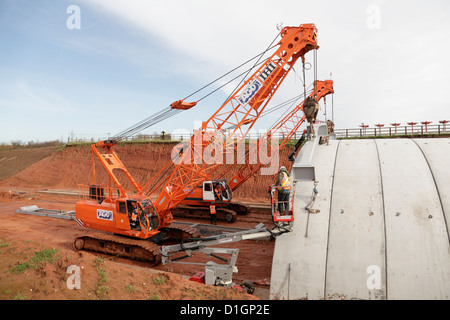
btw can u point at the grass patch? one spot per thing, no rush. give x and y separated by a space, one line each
130 288
155 296
159 280
19 296
102 290
36 261
4 243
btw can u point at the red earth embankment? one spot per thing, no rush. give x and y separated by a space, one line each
71 166
67 167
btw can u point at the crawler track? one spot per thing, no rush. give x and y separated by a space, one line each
134 249
180 232
197 212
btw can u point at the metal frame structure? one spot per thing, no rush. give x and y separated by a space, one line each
217 274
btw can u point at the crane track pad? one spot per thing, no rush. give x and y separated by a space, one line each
134 249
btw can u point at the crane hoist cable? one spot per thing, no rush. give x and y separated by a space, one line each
258 56
147 122
170 111
271 46
290 102
290 108
180 105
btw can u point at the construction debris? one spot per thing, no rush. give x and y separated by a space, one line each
36 211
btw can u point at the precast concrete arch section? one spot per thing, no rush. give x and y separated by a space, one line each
379 227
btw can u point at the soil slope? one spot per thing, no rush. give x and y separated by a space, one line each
23 237
13 161
67 168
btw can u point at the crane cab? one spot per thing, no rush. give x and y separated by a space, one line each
105 209
217 193
214 191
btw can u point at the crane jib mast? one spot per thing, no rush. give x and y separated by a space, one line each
246 104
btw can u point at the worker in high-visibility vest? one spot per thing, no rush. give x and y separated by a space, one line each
213 215
284 190
218 193
134 217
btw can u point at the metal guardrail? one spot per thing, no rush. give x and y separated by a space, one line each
364 131
176 137
379 131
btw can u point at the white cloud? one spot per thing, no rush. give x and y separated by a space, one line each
388 73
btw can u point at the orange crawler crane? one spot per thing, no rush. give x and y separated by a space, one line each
134 215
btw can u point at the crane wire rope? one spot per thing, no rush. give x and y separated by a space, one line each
168 112
271 46
288 109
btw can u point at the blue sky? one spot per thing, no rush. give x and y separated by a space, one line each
130 59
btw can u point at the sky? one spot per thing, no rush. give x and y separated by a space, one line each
92 68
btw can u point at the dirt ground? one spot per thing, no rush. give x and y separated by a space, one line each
21 236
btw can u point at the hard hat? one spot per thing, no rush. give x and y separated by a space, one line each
282 168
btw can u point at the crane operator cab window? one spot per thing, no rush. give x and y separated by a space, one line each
222 191
141 214
121 207
150 213
208 191
216 191
226 191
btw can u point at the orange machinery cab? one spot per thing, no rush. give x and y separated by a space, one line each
215 191
110 213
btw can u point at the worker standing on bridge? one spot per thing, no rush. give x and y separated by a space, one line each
284 190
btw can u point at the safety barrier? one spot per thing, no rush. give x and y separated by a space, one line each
380 130
96 192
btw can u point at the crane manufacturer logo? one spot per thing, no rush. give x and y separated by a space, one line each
104 215
268 71
250 91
